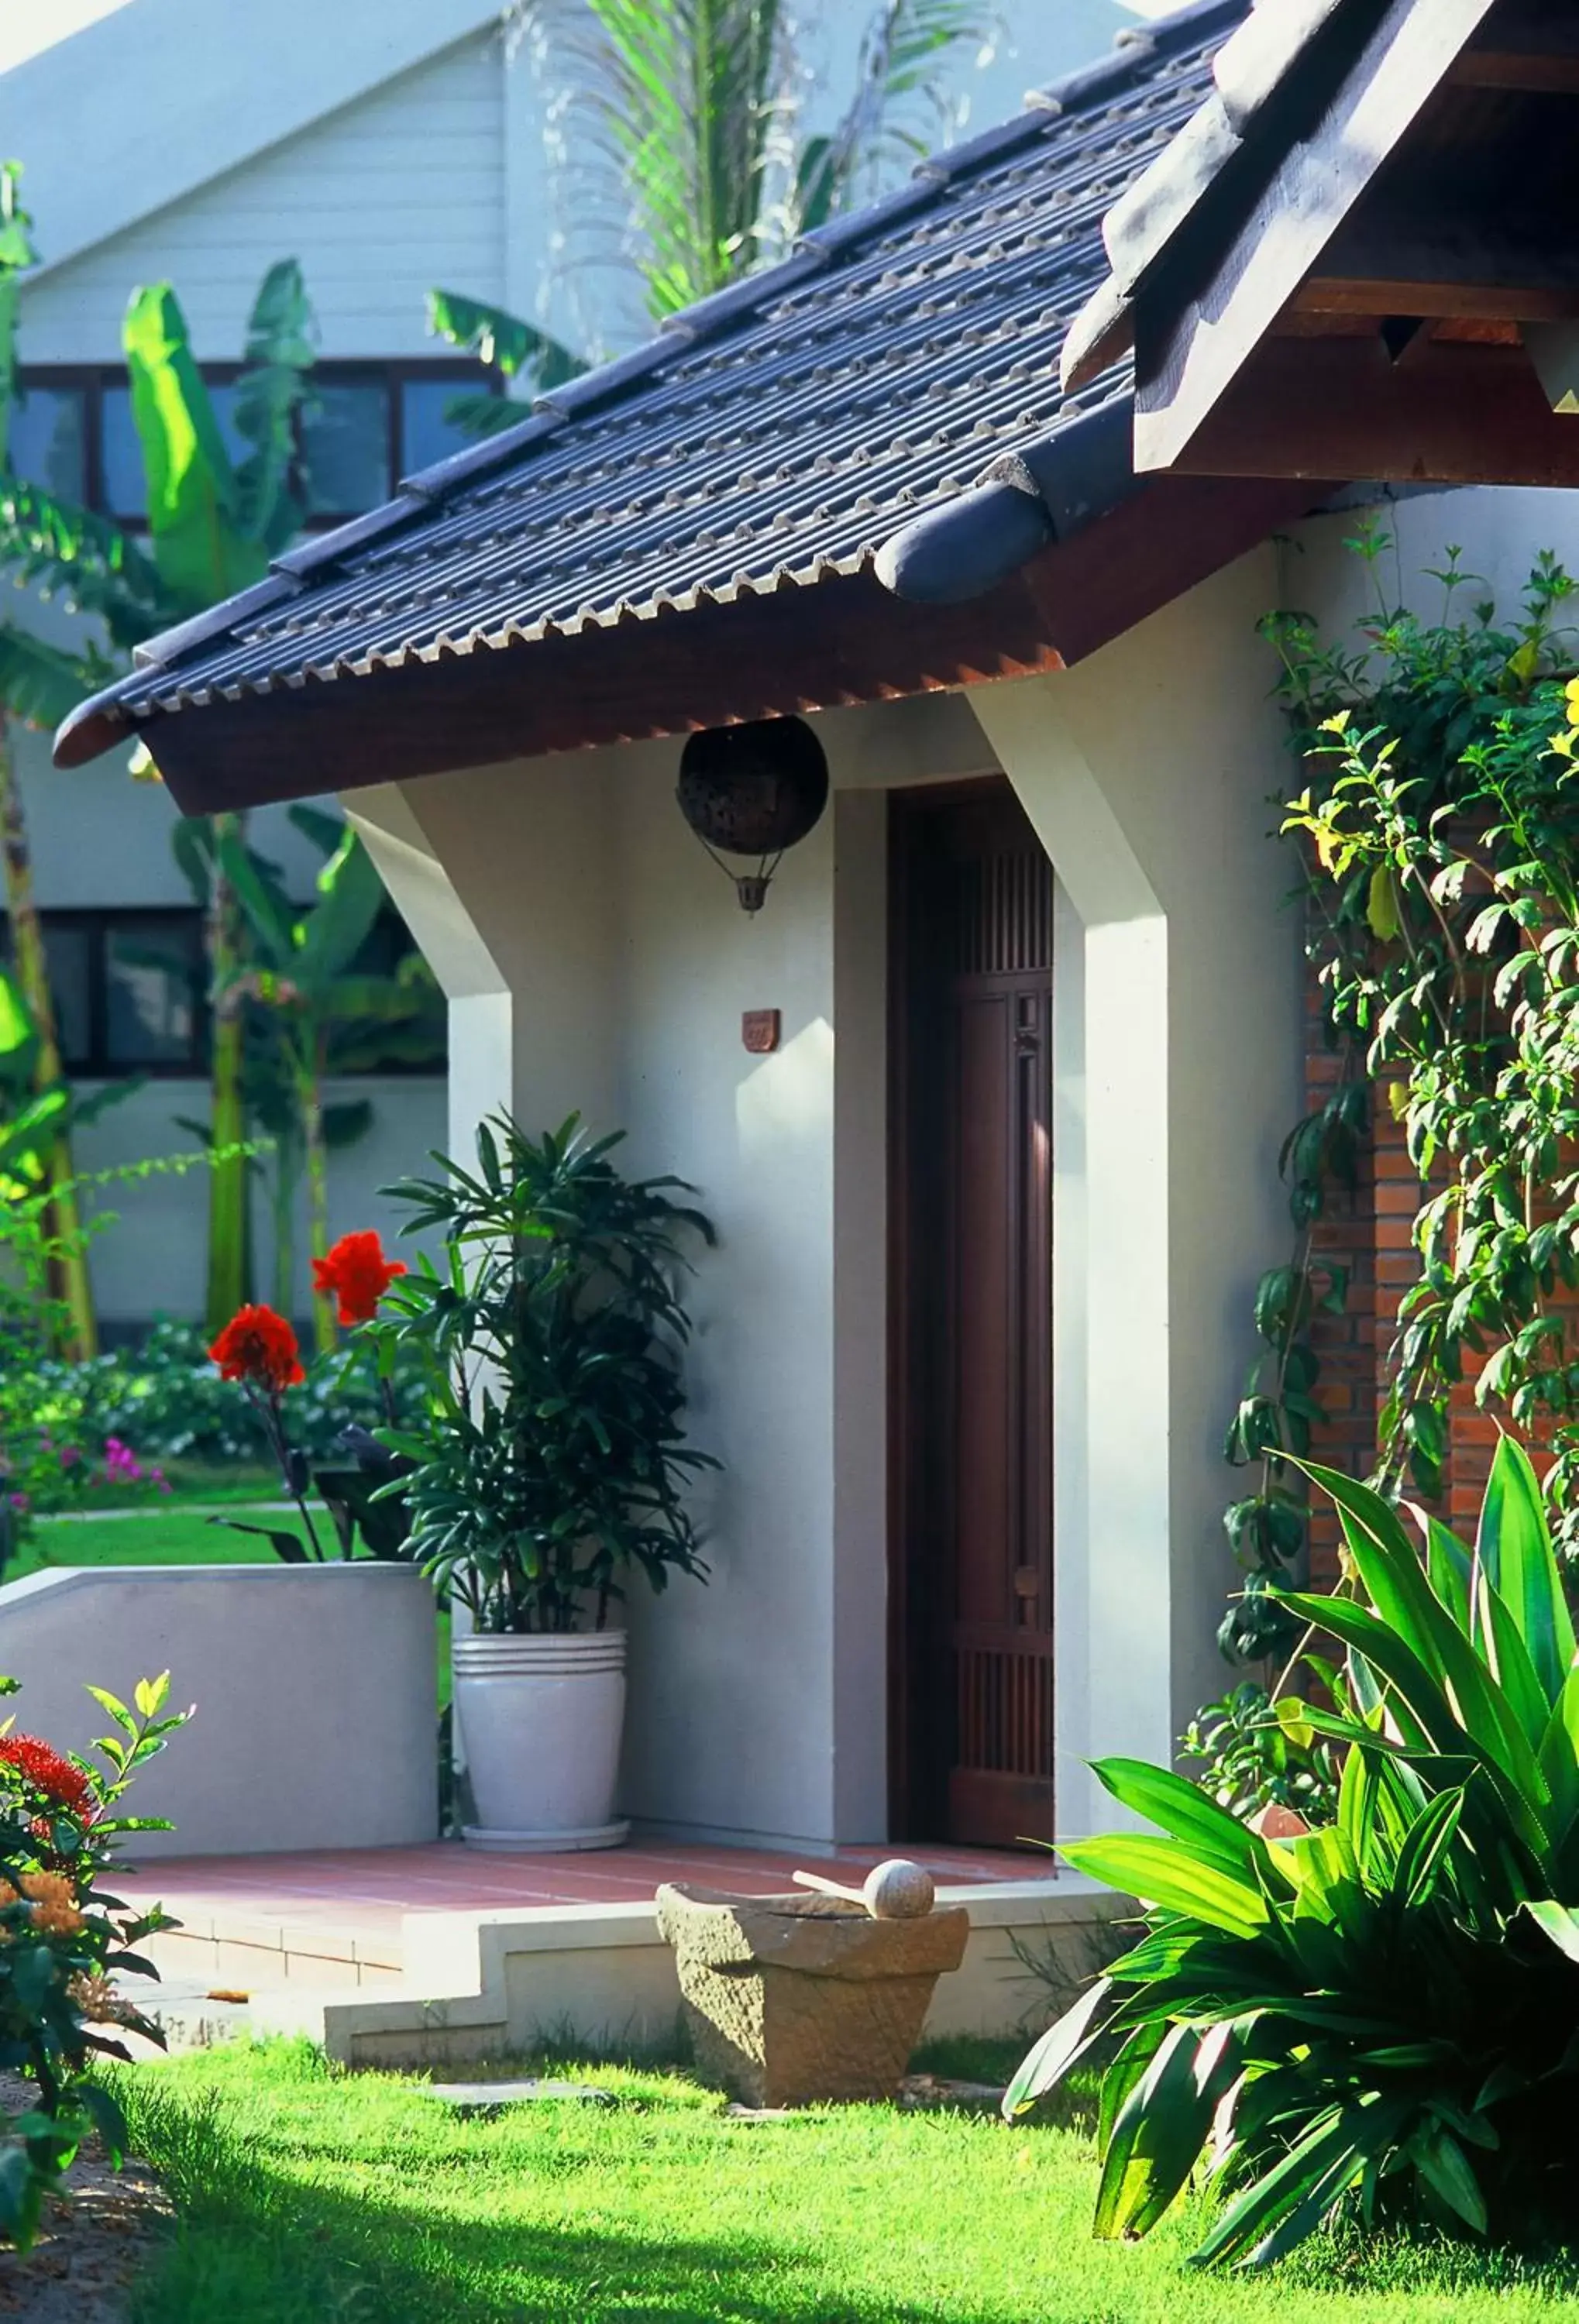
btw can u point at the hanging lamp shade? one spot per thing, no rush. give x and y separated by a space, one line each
753 790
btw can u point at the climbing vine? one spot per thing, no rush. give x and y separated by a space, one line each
1438 843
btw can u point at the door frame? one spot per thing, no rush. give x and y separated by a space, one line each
917 1777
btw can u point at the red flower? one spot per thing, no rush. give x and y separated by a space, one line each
48 1772
259 1346
358 1274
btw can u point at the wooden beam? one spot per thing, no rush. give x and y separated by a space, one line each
1514 69
1528 45
1187 363
1456 301
1470 255
1451 413
841 641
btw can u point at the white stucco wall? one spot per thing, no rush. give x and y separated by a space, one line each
1498 531
758 1705
312 1687
1146 772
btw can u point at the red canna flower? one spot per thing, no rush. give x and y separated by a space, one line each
50 1772
358 1274
258 1346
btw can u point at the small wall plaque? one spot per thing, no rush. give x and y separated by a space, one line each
759 1029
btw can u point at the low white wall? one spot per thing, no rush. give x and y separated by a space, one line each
480 1985
314 1686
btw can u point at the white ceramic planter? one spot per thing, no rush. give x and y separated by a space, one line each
539 1720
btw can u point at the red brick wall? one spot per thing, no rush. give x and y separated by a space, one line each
1345 1345
1372 1233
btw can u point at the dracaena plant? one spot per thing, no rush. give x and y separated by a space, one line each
1383 2014
554 1459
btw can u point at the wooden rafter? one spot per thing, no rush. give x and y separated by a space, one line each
1448 412
1526 46
1187 364
1441 258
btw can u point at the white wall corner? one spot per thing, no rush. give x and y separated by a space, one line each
1111 1429
481 1007
859 1351
1149 771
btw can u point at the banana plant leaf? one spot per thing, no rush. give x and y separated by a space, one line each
40 684
506 344
193 502
271 391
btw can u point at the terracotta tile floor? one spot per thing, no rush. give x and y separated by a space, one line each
366 1892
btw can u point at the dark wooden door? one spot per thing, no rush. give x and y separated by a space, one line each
973 1574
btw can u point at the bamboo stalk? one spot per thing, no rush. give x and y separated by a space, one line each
69 1277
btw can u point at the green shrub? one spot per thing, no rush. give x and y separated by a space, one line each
166 1400
1383 2015
65 1943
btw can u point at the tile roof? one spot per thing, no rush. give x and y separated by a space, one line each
1268 80
774 435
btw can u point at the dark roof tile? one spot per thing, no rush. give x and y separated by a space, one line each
774 435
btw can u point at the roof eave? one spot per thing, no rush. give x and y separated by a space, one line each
843 641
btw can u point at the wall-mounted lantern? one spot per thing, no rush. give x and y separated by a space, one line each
753 790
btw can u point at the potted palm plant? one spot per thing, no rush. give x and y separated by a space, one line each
553 1464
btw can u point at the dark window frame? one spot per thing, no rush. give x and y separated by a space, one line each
92 379
101 920
98 922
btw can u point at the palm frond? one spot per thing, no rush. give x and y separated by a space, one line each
40 684
691 98
900 110
84 560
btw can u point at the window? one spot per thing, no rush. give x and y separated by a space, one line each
68 950
363 427
428 433
49 440
153 974
346 453
129 990
131 986
123 491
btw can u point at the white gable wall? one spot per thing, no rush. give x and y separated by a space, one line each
401 190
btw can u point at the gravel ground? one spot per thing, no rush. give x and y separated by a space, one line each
82 2269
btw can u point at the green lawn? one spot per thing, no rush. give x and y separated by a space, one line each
303 2192
174 1534
207 1482
166 1533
